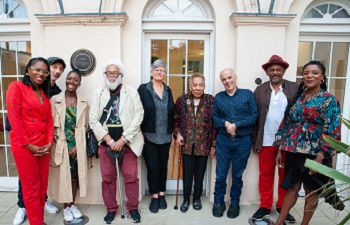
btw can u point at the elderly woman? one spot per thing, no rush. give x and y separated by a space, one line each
69 167
31 136
157 128
313 114
195 132
115 116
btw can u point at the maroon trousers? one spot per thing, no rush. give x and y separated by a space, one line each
267 166
128 168
33 172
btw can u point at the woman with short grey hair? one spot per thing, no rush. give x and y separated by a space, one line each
157 128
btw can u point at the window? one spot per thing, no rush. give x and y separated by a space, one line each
334 55
180 9
327 11
14 56
12 9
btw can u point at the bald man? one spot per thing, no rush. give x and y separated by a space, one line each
234 115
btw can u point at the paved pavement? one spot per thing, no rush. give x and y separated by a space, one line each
324 215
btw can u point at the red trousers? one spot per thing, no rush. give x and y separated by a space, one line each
267 166
33 173
128 169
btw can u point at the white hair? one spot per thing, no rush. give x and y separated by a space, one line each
116 62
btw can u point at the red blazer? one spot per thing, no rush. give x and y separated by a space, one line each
31 122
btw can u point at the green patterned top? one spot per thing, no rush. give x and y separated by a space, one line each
69 126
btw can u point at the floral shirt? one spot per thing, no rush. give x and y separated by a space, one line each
196 128
307 122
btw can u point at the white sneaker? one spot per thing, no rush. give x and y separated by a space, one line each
20 216
50 208
75 212
67 214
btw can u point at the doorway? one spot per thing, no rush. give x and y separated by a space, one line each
183 55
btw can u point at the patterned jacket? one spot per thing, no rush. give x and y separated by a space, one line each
196 129
307 122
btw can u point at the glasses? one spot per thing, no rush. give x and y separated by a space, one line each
39 70
159 71
112 74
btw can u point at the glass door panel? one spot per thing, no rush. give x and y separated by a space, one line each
337 88
3 163
177 57
177 85
322 51
340 55
195 56
8 58
305 55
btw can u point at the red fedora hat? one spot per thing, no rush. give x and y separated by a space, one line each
275 60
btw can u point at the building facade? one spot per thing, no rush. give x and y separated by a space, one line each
190 36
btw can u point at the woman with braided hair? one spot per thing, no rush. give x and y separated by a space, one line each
313 113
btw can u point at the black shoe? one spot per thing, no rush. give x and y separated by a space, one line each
197 204
109 218
219 209
233 211
135 216
162 202
184 206
261 213
154 205
289 219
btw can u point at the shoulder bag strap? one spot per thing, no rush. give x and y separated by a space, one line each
105 111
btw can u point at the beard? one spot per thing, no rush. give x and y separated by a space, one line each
276 80
113 85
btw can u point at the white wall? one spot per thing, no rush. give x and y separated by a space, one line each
243 47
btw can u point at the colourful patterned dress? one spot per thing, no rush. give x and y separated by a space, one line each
308 121
69 130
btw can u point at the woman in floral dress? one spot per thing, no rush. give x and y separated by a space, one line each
314 113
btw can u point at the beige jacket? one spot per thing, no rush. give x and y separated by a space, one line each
60 188
130 112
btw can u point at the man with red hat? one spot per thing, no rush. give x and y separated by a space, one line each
272 98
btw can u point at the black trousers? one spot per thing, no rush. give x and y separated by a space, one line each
20 201
156 158
194 167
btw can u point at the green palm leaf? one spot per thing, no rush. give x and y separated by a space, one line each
327 171
346 122
345 219
338 145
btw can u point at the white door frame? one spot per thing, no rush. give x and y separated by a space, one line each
208 72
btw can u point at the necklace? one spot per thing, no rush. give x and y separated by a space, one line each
71 100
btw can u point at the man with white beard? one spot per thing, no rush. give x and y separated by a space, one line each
116 113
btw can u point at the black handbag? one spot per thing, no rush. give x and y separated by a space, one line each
91 144
91 141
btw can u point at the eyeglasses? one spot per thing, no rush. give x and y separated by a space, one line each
112 74
159 70
39 70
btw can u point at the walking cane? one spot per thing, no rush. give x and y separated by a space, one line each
120 191
178 178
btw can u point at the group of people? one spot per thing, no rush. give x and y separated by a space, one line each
283 121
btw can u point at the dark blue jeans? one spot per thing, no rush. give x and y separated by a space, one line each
237 151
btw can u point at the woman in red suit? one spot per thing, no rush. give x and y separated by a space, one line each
31 136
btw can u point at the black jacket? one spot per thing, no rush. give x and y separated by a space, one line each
149 119
54 90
